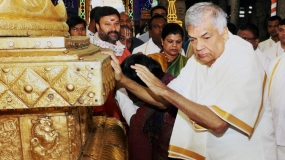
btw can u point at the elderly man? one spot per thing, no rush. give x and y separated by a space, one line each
272 27
250 33
126 20
218 94
276 88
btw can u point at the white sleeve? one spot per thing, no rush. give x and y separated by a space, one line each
126 105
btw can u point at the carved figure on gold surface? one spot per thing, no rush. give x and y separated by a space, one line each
45 139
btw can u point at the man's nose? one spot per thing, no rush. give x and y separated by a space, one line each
199 45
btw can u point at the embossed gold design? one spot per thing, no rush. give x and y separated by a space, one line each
10 138
44 140
48 20
172 17
23 87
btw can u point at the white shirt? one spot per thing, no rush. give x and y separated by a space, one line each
234 85
264 45
263 59
274 51
150 47
144 37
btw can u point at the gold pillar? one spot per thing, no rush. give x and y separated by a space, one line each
172 17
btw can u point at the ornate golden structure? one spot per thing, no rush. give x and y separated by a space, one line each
172 17
48 87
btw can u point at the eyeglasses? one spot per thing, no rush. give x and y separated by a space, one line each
77 29
248 39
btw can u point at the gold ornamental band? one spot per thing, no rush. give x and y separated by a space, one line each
234 120
185 152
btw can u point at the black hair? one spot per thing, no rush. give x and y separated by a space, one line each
152 18
105 11
74 20
274 18
157 7
250 27
282 22
172 28
153 66
93 13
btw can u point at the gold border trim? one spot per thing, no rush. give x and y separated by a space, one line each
185 152
234 120
272 75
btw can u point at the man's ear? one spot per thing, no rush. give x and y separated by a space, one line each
225 34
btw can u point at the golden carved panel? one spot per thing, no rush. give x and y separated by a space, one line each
10 141
83 78
8 74
29 87
70 85
9 101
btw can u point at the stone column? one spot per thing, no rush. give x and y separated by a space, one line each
234 12
281 8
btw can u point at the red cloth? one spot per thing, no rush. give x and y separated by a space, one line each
150 131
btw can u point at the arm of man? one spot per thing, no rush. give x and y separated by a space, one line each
143 93
200 114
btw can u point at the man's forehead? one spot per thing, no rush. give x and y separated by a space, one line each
124 16
112 17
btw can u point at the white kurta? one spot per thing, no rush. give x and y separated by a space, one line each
232 89
264 45
274 51
144 37
150 47
275 90
264 60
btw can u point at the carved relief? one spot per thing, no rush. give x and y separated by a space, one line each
9 101
9 74
29 87
10 142
70 85
45 140
74 135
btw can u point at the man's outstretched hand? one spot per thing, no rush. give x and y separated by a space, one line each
153 83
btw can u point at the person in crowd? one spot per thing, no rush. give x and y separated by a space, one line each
272 27
157 10
250 33
149 126
107 21
126 36
170 58
277 49
218 94
91 29
77 26
275 90
126 20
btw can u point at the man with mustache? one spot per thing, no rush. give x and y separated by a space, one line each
107 20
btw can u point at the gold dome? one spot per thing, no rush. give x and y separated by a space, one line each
32 18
